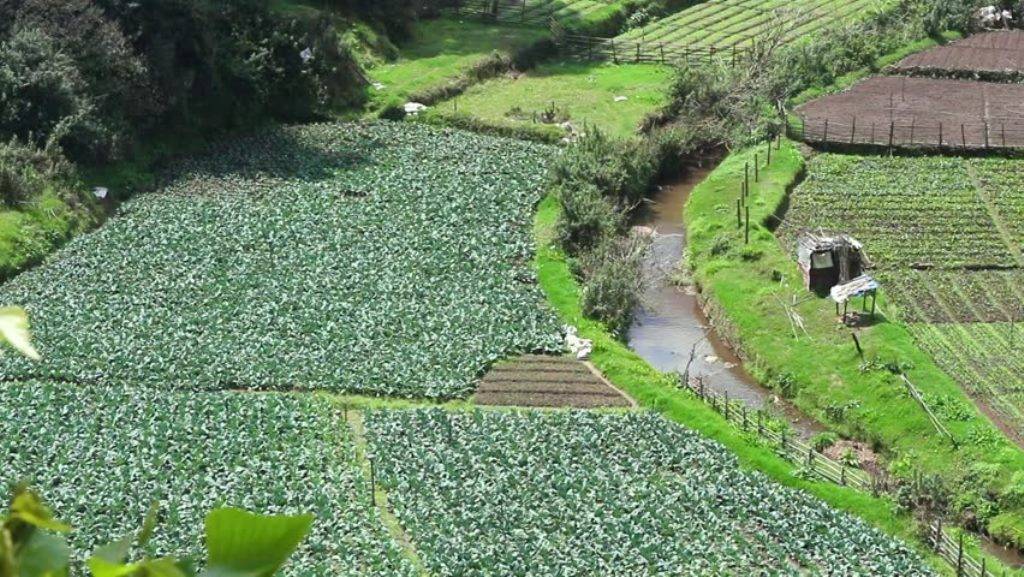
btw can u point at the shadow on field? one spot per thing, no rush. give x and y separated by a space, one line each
271 154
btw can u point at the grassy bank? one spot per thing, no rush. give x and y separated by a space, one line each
30 233
577 92
442 50
749 287
657 391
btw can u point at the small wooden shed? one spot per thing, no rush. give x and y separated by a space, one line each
830 260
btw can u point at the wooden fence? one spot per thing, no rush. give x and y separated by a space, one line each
801 453
923 134
597 48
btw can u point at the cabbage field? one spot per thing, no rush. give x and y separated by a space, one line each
388 259
946 234
100 456
582 493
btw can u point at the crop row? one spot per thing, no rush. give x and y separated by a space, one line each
984 358
381 258
725 24
578 493
907 211
101 456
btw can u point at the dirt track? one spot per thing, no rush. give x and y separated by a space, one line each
1001 51
917 111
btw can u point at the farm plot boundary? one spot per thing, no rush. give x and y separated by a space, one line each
996 56
910 112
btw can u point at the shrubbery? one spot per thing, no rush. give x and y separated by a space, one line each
745 103
95 76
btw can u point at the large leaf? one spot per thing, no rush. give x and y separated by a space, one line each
28 508
243 544
44 555
165 567
14 330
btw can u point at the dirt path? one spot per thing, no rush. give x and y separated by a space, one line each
358 431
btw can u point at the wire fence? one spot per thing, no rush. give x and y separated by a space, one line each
922 134
801 453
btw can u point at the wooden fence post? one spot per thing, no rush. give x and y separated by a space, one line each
892 135
744 418
986 133
963 135
726 406
938 534
746 176
739 211
810 456
853 131
373 485
940 135
824 138
746 234
872 133
960 556
760 423
662 48
769 151
638 51
615 54
757 168
1003 128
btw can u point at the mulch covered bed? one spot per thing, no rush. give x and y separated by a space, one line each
923 112
991 52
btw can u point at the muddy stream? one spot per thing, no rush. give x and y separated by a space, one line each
671 321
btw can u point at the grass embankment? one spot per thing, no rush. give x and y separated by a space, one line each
578 92
747 286
658 391
442 50
848 80
30 233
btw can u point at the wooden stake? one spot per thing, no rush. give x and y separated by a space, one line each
853 130
746 234
739 211
757 168
963 136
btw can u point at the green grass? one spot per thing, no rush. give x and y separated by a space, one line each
746 285
440 50
725 24
848 80
28 234
580 92
657 391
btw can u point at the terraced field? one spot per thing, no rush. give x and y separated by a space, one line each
583 493
725 24
568 12
374 258
946 235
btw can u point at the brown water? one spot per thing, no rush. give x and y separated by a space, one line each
671 321
1009 557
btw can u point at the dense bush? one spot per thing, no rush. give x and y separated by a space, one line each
614 281
95 75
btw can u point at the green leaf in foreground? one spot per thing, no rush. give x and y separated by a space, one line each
243 544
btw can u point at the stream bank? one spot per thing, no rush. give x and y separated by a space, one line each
671 324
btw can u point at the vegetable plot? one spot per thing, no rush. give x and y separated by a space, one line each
388 259
946 234
923 211
728 24
577 493
100 456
